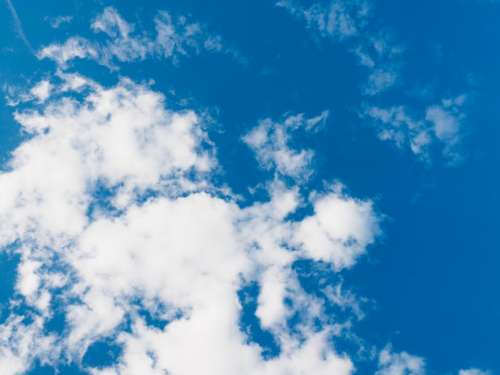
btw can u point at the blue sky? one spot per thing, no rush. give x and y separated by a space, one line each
309 186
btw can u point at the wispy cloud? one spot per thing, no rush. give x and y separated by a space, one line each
440 125
349 22
56 22
391 363
174 38
271 142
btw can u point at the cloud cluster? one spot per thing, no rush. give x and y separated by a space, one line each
377 51
174 38
111 207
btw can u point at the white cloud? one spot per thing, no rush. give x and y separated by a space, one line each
395 125
391 363
380 80
340 229
112 204
21 343
348 21
73 48
112 24
42 90
447 118
57 22
174 37
271 143
339 19
473 371
183 253
440 125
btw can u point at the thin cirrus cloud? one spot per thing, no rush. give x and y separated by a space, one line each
346 22
19 26
174 37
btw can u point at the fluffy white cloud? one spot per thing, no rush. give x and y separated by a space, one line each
111 202
340 229
42 90
21 343
174 37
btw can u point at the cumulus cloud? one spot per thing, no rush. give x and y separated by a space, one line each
111 205
440 125
21 343
349 21
340 229
174 37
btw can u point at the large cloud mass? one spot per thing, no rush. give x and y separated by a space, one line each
110 204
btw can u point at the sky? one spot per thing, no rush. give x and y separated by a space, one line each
279 187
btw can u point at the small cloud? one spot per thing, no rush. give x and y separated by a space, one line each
447 119
391 363
271 143
473 371
339 20
348 21
441 124
380 80
57 22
